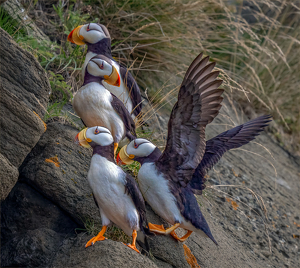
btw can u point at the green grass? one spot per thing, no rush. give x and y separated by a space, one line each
114 233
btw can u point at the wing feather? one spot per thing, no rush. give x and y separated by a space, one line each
198 104
125 116
132 189
217 146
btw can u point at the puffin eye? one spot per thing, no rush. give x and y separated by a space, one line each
88 28
102 66
135 145
97 131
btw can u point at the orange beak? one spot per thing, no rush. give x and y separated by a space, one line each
81 139
119 161
123 158
75 37
114 78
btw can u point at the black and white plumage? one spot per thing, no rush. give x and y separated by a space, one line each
169 187
97 38
96 106
115 192
164 178
215 148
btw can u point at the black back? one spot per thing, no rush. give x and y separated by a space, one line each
133 89
125 116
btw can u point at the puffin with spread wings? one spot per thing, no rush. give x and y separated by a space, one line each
96 106
98 40
115 192
169 180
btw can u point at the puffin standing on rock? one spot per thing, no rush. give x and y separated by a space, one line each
96 106
170 179
97 38
115 192
164 178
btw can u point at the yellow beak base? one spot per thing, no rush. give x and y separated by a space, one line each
126 158
82 139
114 78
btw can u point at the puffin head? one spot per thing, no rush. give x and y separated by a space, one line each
94 135
135 149
90 33
100 67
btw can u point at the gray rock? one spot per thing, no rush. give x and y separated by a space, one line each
25 209
57 168
104 254
34 248
162 264
8 177
24 90
23 76
20 127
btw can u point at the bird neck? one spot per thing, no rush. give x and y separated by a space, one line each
88 78
150 158
104 151
102 47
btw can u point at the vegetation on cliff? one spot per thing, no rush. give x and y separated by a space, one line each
254 44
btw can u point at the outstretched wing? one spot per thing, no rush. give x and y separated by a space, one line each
125 116
198 104
133 89
217 146
134 192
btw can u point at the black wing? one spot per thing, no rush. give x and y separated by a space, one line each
132 189
198 104
125 116
217 146
95 200
190 210
133 89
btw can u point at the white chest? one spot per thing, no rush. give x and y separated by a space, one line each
156 192
107 181
92 103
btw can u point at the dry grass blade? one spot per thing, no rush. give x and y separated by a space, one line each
258 198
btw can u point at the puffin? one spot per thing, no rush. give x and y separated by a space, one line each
169 180
98 40
164 177
115 192
145 152
96 106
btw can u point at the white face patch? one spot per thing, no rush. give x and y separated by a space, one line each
92 33
99 135
98 67
140 147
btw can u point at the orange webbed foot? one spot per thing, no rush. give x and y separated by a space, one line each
160 228
157 228
96 238
132 247
181 239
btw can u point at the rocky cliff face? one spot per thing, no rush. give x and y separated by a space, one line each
42 217
24 91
